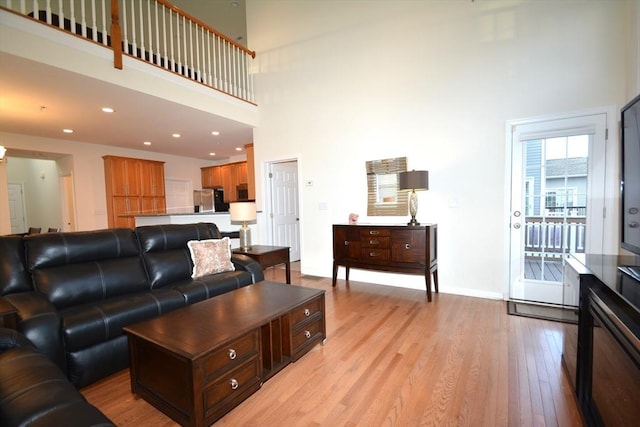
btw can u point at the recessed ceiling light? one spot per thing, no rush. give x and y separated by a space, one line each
176 135
215 133
107 110
238 149
212 154
67 130
147 143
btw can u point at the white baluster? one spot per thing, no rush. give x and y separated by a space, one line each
157 29
72 16
48 9
149 31
60 15
192 64
36 8
209 62
185 55
173 58
141 22
104 23
83 21
178 44
164 36
134 36
125 31
94 21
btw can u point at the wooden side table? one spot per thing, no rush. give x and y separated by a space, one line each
268 256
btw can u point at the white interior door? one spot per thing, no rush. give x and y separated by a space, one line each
17 211
557 202
285 217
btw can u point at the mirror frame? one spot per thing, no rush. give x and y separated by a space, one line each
375 170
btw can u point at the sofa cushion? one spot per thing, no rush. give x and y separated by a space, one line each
204 287
54 249
35 392
77 267
89 324
14 277
165 252
67 286
210 256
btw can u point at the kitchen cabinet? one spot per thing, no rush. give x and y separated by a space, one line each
133 187
227 177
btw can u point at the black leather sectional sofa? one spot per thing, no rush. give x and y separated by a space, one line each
74 292
34 392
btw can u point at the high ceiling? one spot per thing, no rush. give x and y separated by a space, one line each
41 100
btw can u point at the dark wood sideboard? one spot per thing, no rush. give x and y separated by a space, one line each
392 248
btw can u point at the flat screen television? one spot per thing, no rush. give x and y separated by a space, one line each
630 176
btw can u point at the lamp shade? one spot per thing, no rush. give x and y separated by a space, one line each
2 151
414 180
242 211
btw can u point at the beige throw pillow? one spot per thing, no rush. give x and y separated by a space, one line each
210 256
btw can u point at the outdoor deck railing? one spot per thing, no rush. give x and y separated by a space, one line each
554 237
154 31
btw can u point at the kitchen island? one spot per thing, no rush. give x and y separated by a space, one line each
221 219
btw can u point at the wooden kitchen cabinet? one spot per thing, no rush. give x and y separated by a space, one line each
227 177
133 187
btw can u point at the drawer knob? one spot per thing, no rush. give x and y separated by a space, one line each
232 354
346 243
374 232
307 334
407 246
307 312
234 384
373 254
373 242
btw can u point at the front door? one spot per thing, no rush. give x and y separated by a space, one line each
557 187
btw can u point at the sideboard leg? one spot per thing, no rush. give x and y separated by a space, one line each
335 274
435 279
427 279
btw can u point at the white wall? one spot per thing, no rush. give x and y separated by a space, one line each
41 190
343 82
87 169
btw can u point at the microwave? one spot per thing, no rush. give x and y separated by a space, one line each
242 192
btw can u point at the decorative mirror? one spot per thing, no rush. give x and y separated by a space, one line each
385 197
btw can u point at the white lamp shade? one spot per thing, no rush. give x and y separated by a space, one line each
2 151
242 211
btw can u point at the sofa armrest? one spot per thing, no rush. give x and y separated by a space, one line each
243 262
40 322
10 338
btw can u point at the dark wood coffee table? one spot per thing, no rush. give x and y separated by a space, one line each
197 363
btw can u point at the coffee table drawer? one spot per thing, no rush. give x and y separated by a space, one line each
309 333
230 355
305 311
230 388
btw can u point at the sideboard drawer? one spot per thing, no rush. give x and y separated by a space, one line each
375 242
375 255
234 353
365 232
409 246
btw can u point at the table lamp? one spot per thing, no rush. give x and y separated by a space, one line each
414 180
243 212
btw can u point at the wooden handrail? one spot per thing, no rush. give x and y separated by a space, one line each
116 35
207 27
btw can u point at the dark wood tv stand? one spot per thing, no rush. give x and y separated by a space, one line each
393 248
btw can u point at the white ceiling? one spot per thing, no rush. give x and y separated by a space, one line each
40 100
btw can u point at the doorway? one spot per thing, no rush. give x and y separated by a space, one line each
284 218
556 205
17 208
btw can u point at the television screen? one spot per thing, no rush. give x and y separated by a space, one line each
630 184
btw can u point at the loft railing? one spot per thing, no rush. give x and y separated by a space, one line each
154 31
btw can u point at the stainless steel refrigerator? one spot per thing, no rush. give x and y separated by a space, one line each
209 200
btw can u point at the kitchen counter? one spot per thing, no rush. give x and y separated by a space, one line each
221 219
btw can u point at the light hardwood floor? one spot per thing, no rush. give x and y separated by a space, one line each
393 359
